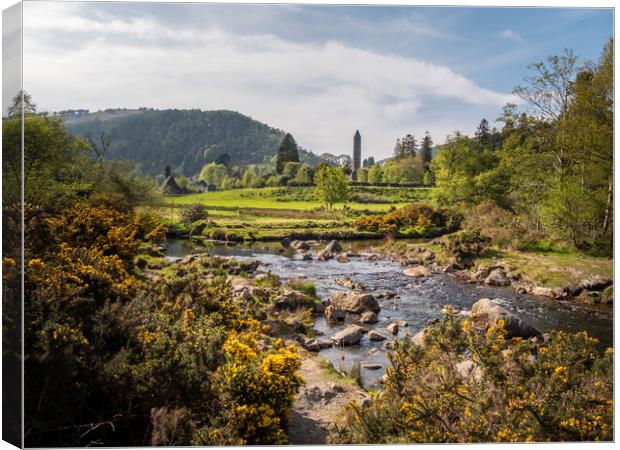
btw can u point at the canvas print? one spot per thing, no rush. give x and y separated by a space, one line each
229 224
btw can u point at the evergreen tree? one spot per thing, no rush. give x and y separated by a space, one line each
22 99
426 150
483 133
288 152
406 146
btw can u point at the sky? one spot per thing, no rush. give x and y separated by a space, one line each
318 72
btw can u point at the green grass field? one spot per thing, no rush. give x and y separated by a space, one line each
294 198
274 213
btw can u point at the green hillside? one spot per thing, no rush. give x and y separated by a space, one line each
184 139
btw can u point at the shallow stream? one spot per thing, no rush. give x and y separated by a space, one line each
418 301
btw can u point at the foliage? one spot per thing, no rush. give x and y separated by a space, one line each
332 185
53 161
503 227
287 152
153 358
192 213
405 169
466 244
259 388
375 174
517 390
551 165
213 173
418 217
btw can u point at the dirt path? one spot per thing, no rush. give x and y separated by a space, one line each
318 403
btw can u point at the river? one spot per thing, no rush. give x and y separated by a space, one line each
419 300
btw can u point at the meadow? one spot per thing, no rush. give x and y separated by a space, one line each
273 213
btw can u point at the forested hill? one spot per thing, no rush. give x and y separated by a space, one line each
184 139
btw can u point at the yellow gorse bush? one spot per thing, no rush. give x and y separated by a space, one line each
520 390
260 387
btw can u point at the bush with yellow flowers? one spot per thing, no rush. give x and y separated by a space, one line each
259 387
116 358
470 385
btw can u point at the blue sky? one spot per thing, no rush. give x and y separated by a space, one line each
320 72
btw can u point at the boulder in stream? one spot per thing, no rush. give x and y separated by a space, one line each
330 251
350 335
376 336
355 302
369 317
418 271
485 313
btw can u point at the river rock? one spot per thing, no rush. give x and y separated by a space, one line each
351 335
342 259
349 283
393 328
401 323
596 283
286 242
486 313
497 278
386 294
369 317
418 271
315 345
590 297
329 251
306 256
292 300
547 292
469 370
299 245
355 302
376 336
419 338
334 315
371 366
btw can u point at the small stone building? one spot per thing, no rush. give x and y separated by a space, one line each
170 186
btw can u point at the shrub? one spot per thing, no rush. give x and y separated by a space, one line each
466 244
192 213
557 390
414 218
503 227
362 197
259 388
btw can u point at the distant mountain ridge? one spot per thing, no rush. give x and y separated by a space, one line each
183 139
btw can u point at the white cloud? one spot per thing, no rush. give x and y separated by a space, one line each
511 35
320 93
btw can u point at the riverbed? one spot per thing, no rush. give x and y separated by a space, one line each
418 300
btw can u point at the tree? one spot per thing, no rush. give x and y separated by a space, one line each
213 173
426 150
406 146
22 101
362 175
223 159
483 133
304 176
370 161
331 184
375 174
287 152
290 169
